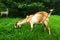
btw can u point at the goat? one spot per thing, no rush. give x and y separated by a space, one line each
39 17
4 12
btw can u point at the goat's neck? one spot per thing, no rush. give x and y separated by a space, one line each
23 21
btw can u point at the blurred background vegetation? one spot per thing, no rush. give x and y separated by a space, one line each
21 8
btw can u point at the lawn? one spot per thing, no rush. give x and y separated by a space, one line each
8 32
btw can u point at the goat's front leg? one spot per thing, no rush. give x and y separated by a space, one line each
6 14
31 26
1 14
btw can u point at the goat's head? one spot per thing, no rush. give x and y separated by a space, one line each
17 24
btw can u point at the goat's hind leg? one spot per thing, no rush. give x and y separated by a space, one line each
46 24
44 28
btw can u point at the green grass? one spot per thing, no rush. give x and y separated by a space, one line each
8 32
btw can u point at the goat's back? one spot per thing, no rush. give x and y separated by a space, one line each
39 17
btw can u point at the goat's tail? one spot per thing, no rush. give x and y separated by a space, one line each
51 10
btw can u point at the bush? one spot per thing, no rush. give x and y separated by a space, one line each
30 8
21 8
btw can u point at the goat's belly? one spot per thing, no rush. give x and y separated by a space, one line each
34 20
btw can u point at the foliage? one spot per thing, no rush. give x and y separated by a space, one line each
26 7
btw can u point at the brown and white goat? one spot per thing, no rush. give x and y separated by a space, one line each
39 17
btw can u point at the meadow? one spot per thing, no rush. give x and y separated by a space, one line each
8 32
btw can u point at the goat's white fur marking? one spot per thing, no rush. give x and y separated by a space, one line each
34 19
